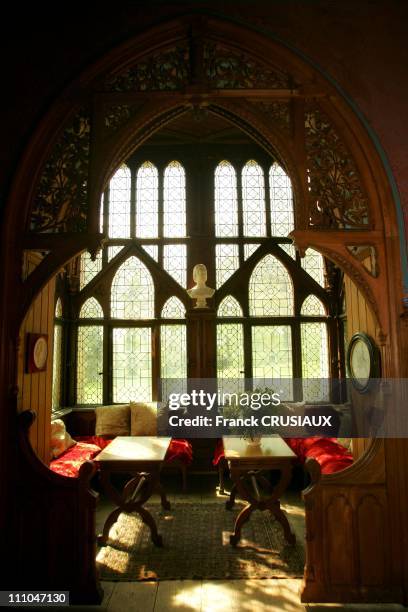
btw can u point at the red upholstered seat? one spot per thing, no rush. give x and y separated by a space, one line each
69 462
88 447
331 455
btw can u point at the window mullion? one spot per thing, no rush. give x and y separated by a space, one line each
238 173
132 202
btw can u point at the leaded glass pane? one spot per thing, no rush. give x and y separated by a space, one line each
113 251
249 249
91 309
173 309
253 199
132 294
315 361
89 268
282 222
289 249
132 364
101 214
89 364
147 195
226 262
58 308
173 351
313 264
229 307
312 306
230 353
272 352
152 250
226 200
56 367
174 202
270 289
119 204
175 262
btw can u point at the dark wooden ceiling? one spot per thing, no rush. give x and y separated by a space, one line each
199 126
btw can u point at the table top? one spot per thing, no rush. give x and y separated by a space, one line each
135 448
270 448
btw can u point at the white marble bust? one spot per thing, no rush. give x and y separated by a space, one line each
200 292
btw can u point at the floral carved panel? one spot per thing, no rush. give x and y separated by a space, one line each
60 202
337 197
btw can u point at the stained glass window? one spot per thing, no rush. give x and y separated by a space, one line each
312 306
173 309
89 269
249 249
315 361
272 352
175 262
58 308
132 295
173 351
282 222
229 307
91 309
289 249
313 264
270 289
132 364
147 195
253 199
90 364
119 204
226 200
57 359
230 354
226 262
152 250
113 251
174 201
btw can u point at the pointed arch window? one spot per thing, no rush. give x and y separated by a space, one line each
174 201
312 306
119 204
226 200
147 201
253 199
173 309
91 309
229 307
270 289
57 358
280 186
132 295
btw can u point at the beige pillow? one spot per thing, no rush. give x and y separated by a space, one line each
60 438
143 420
113 420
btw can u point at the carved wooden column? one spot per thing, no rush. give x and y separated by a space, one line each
201 338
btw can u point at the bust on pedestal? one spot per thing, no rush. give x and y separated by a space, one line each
200 292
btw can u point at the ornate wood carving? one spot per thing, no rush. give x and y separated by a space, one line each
227 68
337 197
60 202
162 71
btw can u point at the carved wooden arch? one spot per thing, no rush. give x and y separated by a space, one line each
306 86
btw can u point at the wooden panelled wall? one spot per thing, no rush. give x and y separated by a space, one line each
359 319
35 390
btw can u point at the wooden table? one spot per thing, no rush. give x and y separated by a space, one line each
247 464
141 456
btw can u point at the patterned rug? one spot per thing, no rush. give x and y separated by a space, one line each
196 546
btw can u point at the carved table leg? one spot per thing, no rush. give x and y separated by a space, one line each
241 519
281 517
229 504
135 493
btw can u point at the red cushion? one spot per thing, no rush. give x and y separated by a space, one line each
97 440
331 456
218 452
70 461
180 450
